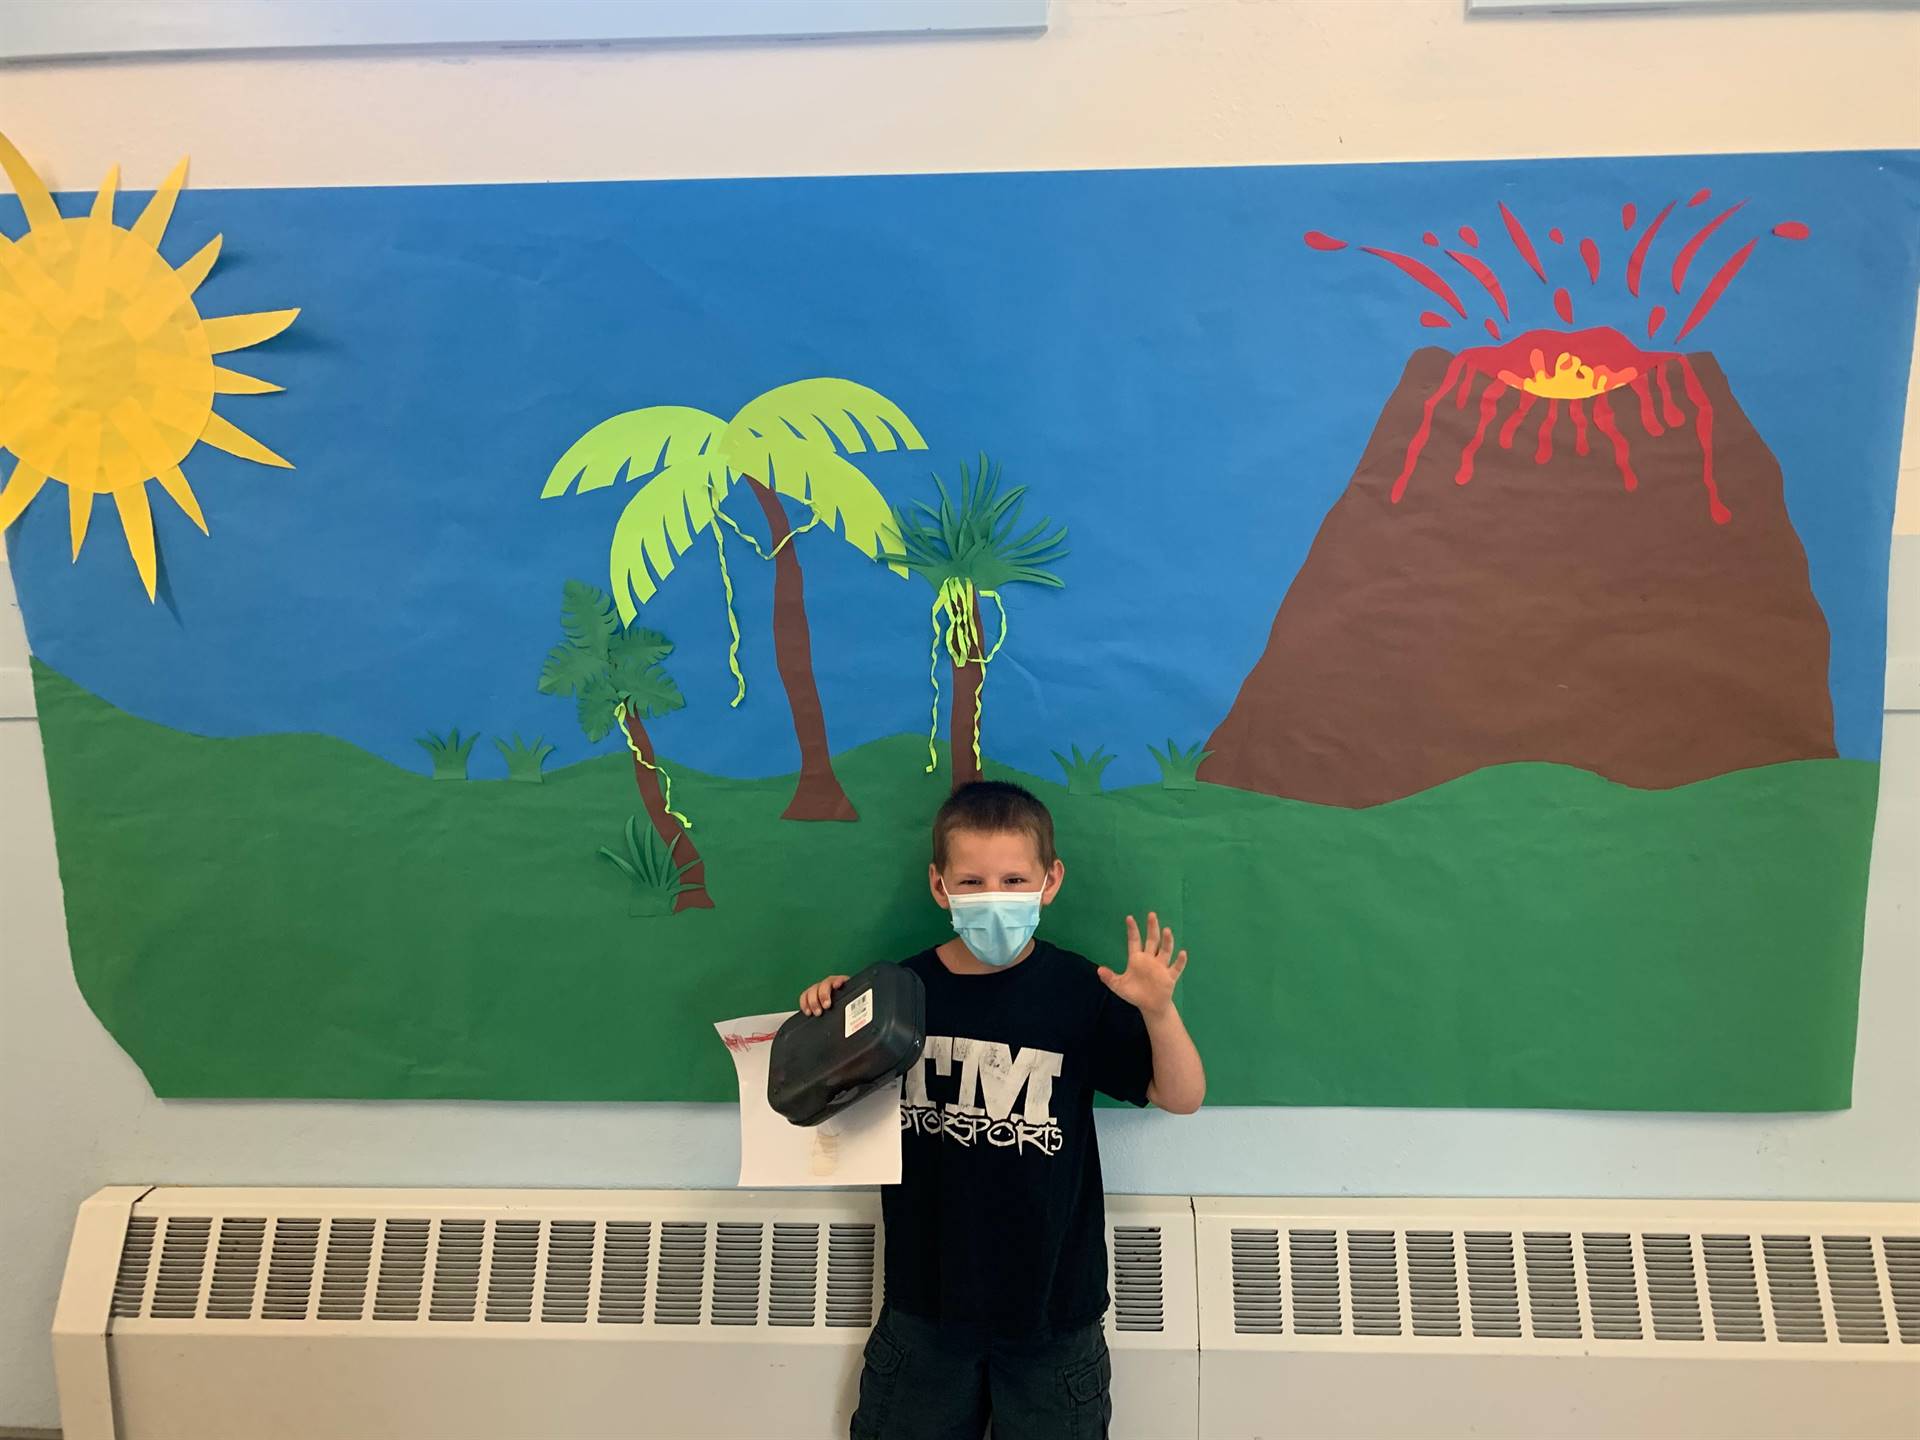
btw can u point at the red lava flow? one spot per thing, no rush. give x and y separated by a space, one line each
1590 367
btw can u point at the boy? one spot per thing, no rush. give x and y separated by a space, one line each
996 1234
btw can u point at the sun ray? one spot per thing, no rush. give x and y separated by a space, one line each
194 271
152 224
102 212
232 382
237 332
174 482
79 512
35 198
224 435
22 486
136 518
96 250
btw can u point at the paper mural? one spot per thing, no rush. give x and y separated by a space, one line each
1453 594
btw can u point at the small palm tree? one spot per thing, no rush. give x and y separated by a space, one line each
613 672
791 442
965 552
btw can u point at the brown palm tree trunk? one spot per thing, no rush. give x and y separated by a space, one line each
818 796
679 844
964 712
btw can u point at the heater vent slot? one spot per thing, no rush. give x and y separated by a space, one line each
136 1260
1257 1308
623 1272
1139 1292
791 1295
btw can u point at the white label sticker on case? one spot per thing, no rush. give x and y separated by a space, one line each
859 1011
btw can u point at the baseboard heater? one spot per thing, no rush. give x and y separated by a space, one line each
340 1314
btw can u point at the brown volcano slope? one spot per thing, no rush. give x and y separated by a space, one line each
1542 610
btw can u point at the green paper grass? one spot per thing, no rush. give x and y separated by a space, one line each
524 760
1084 771
649 865
449 753
1179 769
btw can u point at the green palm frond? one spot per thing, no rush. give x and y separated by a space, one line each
595 708
828 483
826 412
636 675
795 439
660 523
604 663
638 444
977 539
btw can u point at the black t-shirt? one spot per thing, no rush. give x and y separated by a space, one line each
999 1218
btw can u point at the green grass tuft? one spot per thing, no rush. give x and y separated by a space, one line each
1179 769
1084 771
449 753
524 760
649 866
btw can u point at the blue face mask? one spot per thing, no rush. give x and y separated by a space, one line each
995 925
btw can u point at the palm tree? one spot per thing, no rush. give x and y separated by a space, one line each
966 552
613 672
791 442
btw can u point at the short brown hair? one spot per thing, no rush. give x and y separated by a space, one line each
994 807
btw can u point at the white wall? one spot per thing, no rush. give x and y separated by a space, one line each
1115 83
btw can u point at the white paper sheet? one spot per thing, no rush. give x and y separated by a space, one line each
859 1146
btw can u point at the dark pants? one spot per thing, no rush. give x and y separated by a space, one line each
921 1382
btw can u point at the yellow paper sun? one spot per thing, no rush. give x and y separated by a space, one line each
107 375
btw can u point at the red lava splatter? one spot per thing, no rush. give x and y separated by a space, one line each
1669 411
1472 240
1648 420
1489 402
1655 319
1544 452
1429 238
1492 329
1522 241
1684 260
1700 198
1433 321
1421 273
1639 256
1507 430
1563 304
1627 212
1323 242
1480 271
1579 414
1419 441
1466 389
1717 287
1791 230
1603 417
1556 237
1703 427
1590 253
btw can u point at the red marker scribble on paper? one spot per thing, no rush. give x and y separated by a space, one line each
744 1042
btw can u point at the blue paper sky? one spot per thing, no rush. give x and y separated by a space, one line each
1155 353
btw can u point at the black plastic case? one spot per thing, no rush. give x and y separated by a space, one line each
875 1031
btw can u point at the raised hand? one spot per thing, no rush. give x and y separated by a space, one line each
819 996
1152 968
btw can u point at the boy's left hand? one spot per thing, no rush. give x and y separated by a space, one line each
1152 968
